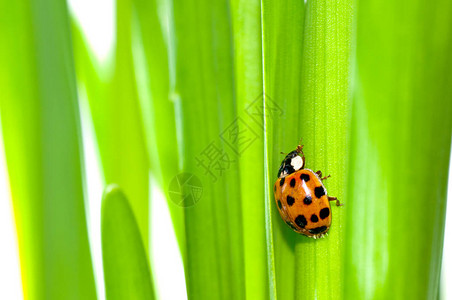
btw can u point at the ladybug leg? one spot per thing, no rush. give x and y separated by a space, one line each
319 173
335 199
323 178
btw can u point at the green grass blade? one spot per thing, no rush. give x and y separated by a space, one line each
116 116
41 131
402 123
158 110
126 267
283 39
324 116
204 97
247 32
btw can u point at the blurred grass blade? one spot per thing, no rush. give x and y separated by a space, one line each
151 63
115 111
41 131
282 49
402 125
126 268
206 109
324 119
158 109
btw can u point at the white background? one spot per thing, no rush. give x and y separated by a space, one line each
97 21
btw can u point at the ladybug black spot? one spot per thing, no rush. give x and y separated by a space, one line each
290 200
307 200
324 213
314 218
300 220
319 191
292 182
305 177
317 229
279 204
282 181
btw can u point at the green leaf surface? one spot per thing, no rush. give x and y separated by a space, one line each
400 148
324 117
283 24
41 131
126 267
306 73
204 97
258 256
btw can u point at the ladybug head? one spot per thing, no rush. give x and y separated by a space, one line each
293 162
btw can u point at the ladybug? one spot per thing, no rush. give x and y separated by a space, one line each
301 197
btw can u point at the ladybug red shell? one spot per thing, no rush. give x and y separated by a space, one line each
301 197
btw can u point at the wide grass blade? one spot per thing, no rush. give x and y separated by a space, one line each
283 24
258 246
126 266
402 125
41 130
204 98
323 121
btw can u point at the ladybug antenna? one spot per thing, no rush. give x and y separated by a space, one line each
300 149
